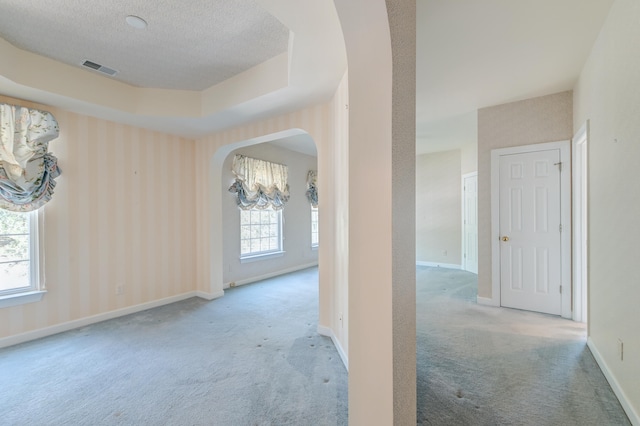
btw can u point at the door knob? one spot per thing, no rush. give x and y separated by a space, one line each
505 238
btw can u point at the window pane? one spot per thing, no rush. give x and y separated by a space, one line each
260 233
14 275
255 231
245 217
314 226
13 223
245 232
14 247
264 231
265 218
15 251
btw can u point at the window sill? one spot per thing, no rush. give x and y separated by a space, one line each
21 298
315 247
265 256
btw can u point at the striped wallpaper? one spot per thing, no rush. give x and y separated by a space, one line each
122 214
137 208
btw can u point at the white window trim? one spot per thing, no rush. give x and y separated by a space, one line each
261 256
37 290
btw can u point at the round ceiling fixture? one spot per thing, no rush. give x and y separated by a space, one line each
136 22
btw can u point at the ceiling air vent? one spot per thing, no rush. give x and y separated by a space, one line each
99 68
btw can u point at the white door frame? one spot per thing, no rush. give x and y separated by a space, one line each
464 209
579 228
565 217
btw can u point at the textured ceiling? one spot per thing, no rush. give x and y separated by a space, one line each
188 45
470 54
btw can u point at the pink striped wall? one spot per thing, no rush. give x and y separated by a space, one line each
134 207
122 214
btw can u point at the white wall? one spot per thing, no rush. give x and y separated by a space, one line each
608 95
438 208
334 222
296 217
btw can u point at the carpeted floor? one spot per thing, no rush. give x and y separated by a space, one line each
480 365
253 357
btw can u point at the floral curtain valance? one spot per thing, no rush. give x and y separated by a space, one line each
312 188
27 170
259 184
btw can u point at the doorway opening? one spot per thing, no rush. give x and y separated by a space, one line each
530 227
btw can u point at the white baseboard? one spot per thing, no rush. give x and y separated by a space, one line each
270 275
326 331
82 322
634 417
209 296
487 301
438 264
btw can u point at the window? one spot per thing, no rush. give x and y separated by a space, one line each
314 226
260 232
19 260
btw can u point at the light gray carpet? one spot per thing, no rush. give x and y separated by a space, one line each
252 357
492 366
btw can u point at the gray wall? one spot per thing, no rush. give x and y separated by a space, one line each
469 157
538 120
296 216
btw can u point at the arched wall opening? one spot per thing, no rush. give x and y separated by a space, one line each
380 40
326 125
218 198
299 154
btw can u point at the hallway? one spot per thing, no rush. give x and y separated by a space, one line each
480 365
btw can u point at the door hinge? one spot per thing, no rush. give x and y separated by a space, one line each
560 289
559 165
560 228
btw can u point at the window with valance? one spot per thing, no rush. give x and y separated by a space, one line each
27 169
312 196
259 184
312 188
27 180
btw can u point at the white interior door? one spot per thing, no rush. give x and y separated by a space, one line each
470 223
530 233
